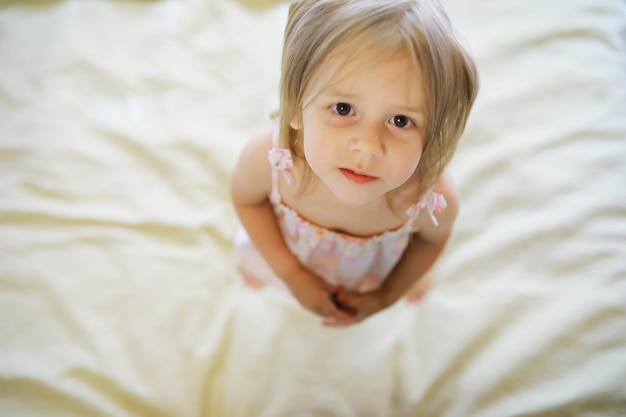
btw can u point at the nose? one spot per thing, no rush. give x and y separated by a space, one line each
368 141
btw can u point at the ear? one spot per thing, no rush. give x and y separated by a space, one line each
295 123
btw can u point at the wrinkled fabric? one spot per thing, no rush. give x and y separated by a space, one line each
120 123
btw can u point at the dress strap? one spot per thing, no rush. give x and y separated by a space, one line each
280 160
275 134
433 202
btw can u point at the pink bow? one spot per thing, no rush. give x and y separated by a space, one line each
434 203
281 159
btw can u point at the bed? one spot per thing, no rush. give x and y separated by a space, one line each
120 122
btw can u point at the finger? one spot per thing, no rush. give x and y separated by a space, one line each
336 315
329 308
329 312
334 297
339 314
322 311
361 302
348 300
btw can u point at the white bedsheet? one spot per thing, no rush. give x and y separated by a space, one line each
119 124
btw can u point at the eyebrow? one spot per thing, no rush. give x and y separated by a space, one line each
334 92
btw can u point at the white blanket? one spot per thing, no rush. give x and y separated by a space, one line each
119 124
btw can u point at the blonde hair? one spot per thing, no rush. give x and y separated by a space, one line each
318 29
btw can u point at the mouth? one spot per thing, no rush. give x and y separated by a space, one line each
357 177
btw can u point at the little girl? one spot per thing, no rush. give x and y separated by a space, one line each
345 200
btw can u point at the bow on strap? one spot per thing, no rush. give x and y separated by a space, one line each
434 202
281 160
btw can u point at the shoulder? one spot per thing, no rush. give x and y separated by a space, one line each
251 178
424 225
446 186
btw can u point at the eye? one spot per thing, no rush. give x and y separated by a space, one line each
343 109
401 121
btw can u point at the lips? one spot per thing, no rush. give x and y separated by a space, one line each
355 177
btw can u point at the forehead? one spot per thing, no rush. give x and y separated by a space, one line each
375 64
344 65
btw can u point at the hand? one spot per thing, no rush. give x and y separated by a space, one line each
362 305
314 294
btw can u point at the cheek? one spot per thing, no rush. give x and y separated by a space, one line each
316 143
313 149
405 164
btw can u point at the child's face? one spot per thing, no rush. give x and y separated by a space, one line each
363 125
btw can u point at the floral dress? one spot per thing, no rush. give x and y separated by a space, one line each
356 263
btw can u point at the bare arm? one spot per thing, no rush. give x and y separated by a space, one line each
250 187
425 248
